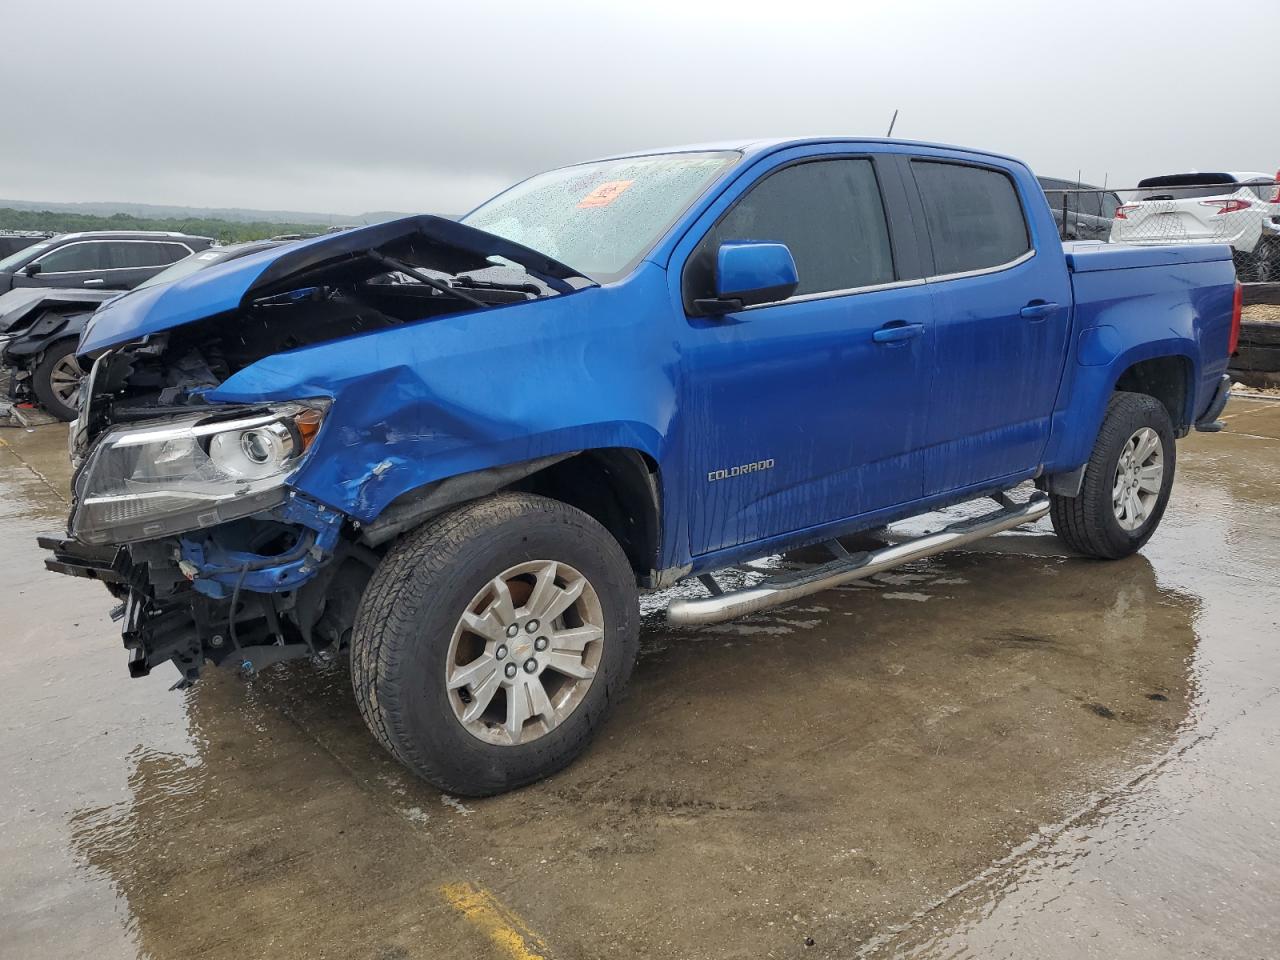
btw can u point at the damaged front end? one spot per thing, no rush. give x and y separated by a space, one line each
184 508
189 521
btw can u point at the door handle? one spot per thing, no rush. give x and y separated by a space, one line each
96 282
898 332
1038 310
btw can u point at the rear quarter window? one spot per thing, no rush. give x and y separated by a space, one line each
974 215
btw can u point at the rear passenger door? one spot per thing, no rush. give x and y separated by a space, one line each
1001 317
796 413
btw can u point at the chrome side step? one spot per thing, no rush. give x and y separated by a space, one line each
770 593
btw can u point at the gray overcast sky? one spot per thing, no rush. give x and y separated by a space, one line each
408 105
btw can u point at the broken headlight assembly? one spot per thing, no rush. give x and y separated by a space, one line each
154 480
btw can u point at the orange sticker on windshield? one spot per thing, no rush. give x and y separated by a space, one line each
604 194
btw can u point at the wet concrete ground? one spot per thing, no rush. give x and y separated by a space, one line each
1008 752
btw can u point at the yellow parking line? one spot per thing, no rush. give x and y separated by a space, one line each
504 929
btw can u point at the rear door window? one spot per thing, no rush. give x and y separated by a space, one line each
975 218
828 212
75 257
140 254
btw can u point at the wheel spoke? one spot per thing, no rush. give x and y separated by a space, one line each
502 606
544 590
558 601
569 664
1122 509
1149 478
487 625
1135 508
517 711
539 703
1147 441
482 696
473 674
575 639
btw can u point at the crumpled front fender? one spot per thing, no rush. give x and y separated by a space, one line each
419 403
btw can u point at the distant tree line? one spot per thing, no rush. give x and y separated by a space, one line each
47 221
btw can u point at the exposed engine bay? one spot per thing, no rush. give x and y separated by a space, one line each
182 507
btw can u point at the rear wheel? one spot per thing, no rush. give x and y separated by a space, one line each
57 378
1248 265
1126 482
1266 269
492 641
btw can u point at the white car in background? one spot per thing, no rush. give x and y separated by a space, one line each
1238 208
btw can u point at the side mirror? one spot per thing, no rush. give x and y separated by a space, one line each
31 269
751 272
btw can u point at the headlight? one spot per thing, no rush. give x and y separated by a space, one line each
145 482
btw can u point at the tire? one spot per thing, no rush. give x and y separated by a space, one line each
1266 267
1246 265
1089 523
409 624
47 379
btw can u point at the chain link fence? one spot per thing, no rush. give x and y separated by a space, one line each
1190 208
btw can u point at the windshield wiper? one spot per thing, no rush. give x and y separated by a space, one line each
429 280
462 280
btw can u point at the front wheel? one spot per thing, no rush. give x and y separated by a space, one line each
1126 482
57 378
491 642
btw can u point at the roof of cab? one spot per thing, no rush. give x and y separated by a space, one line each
759 146
127 235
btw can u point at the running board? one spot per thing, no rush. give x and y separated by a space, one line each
784 589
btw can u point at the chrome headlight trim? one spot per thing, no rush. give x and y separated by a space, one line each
157 479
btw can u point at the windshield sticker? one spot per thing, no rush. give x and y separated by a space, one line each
604 194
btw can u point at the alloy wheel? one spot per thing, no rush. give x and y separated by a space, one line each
525 652
65 380
1138 478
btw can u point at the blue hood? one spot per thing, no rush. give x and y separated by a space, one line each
428 242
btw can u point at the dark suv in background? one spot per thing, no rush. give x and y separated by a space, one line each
1080 215
11 241
103 260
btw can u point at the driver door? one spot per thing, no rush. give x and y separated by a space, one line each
82 263
810 410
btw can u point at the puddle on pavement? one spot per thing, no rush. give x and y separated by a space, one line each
848 755
826 771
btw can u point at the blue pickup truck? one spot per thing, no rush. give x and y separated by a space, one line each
460 449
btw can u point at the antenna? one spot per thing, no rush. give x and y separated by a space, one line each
891 123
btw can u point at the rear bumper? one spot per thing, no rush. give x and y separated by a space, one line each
1209 422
